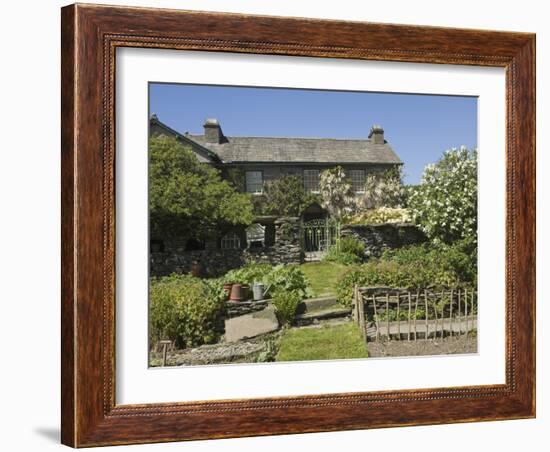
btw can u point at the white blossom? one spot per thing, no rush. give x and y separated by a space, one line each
445 203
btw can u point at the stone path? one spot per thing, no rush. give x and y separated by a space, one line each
313 256
251 325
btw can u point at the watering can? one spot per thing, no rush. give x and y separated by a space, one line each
259 291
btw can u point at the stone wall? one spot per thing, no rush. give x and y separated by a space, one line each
215 262
236 309
287 248
380 237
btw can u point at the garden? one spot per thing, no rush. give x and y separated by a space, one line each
262 312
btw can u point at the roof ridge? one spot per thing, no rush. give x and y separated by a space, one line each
154 119
286 137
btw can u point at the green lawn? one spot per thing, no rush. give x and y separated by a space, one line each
323 276
328 342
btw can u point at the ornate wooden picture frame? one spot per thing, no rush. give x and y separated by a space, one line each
90 37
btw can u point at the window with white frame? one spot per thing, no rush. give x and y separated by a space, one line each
311 181
254 182
357 177
230 241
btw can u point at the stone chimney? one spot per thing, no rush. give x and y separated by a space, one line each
212 131
377 134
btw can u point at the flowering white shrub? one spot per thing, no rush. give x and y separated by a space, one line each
383 189
381 215
336 192
444 205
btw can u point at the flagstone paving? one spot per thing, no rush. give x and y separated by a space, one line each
251 325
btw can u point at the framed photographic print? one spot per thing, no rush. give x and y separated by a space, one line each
281 225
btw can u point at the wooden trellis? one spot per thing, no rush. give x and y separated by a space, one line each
389 313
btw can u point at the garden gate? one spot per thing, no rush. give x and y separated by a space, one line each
318 236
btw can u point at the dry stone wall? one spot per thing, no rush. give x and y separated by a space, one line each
380 237
215 262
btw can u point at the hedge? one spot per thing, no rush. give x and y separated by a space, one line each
417 266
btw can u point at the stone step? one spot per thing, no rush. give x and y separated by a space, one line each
317 304
322 314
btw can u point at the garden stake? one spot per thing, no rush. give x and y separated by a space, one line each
388 315
376 318
459 315
451 314
409 317
426 303
466 310
398 318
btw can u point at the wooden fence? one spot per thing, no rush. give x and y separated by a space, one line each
388 313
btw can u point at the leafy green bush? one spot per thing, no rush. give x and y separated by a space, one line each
183 309
345 285
286 304
215 289
248 274
336 256
279 277
444 264
188 198
347 251
285 196
391 315
352 245
288 278
418 266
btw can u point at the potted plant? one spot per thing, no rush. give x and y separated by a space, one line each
236 292
227 289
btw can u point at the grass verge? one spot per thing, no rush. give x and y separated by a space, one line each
323 276
327 342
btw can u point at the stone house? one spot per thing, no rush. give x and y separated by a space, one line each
264 159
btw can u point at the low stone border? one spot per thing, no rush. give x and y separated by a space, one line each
238 308
246 351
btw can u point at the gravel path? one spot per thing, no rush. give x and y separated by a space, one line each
446 346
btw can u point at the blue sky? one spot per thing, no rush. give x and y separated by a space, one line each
418 127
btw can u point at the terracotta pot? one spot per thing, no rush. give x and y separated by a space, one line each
227 289
236 292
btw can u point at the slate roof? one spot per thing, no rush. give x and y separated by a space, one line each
299 150
288 150
207 153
